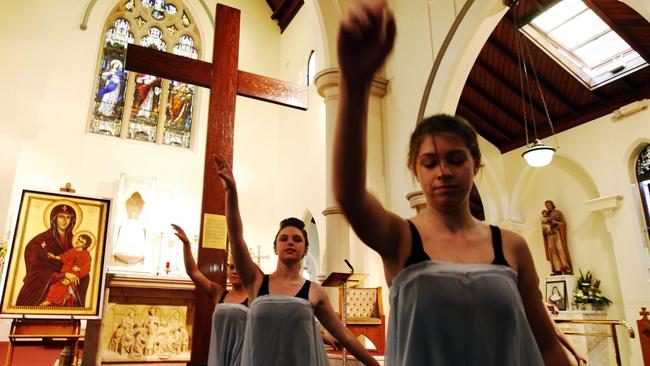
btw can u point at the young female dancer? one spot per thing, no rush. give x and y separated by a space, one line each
230 311
463 292
281 328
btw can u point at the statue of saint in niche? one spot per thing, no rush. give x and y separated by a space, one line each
555 239
130 245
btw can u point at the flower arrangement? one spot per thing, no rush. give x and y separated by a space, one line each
588 291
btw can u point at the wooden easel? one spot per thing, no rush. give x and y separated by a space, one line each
24 330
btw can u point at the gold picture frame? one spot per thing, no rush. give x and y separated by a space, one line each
55 265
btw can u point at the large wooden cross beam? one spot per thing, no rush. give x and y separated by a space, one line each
225 82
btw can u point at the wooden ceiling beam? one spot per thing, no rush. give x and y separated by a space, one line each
495 102
479 125
516 89
631 41
483 124
551 90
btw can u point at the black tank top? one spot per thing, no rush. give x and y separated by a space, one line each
223 297
419 255
303 293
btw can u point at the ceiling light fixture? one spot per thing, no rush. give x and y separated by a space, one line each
536 154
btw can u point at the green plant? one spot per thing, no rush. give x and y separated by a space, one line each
588 291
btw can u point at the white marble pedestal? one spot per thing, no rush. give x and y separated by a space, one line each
597 350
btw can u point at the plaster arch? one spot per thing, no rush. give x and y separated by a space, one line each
100 11
566 164
328 15
631 155
91 5
490 187
465 45
640 6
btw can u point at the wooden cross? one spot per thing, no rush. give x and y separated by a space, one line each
225 82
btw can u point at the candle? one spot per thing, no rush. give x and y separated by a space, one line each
167 265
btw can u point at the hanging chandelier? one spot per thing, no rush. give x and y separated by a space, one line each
536 154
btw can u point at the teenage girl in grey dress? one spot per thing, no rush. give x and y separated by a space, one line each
462 292
281 328
230 311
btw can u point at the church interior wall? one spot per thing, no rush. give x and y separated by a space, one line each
300 177
46 143
279 153
594 160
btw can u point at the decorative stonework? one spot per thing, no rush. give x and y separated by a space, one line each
327 84
146 333
146 319
416 200
332 211
607 205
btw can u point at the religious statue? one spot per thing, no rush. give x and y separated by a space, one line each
555 239
131 236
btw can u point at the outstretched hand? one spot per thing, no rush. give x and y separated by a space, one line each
331 341
180 233
366 37
225 173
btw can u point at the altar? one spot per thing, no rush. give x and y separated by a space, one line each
147 319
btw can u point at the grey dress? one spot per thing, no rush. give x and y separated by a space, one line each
227 338
449 314
282 331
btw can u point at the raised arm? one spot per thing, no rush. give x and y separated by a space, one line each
536 312
365 39
553 310
251 275
212 289
328 318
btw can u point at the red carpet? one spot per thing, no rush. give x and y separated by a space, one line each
32 355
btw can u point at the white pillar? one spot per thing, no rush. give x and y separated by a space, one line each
337 236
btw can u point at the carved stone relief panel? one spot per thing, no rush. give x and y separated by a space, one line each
147 333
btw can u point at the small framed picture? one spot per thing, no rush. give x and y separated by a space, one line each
56 262
556 294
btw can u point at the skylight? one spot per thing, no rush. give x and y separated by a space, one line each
583 43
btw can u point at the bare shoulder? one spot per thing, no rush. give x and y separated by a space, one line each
317 293
403 239
515 248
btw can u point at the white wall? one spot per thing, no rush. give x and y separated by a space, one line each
48 70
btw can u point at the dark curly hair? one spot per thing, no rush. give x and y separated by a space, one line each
293 222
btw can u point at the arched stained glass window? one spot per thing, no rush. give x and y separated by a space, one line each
643 179
139 106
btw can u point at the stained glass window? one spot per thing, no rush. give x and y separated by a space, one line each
109 97
643 179
152 109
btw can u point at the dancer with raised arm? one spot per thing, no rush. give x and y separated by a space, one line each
462 292
281 328
230 312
